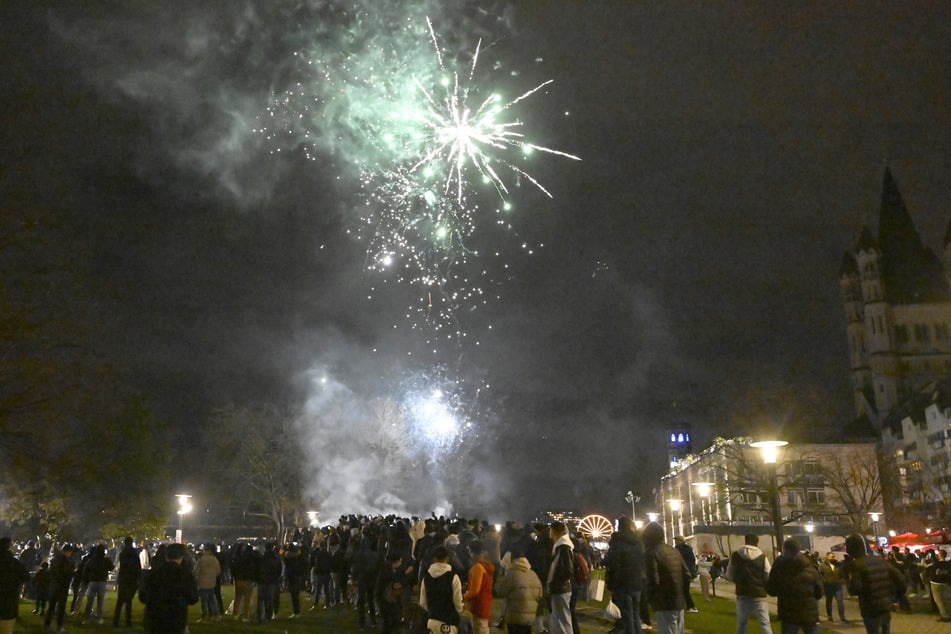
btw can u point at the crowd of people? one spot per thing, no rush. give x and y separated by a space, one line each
375 565
456 567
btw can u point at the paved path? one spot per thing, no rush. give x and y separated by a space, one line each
920 621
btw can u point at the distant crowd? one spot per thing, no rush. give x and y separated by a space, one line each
441 575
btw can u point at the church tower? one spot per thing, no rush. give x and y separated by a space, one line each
894 291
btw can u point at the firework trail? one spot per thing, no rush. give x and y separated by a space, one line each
433 144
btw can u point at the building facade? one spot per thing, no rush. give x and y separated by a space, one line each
917 437
823 492
895 292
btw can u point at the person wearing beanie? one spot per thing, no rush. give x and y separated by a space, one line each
875 583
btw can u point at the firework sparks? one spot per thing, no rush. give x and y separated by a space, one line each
429 140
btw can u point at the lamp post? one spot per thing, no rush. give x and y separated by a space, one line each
633 500
770 452
184 506
875 517
703 490
675 507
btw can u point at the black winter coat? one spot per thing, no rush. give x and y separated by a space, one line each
97 568
13 575
625 562
875 582
563 565
62 571
167 591
665 571
797 585
130 568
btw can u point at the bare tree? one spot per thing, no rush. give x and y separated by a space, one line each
256 462
853 474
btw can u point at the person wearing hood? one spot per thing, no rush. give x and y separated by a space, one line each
875 582
665 576
478 595
440 594
560 573
624 564
796 584
522 590
749 569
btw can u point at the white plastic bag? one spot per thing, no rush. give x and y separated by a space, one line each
596 590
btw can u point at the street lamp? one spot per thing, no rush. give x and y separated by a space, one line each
770 452
703 490
875 517
675 507
633 500
184 506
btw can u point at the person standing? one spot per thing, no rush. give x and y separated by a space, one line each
41 586
13 574
166 591
478 595
243 571
390 586
321 567
295 570
875 582
624 565
796 584
268 579
690 560
561 570
95 575
522 590
366 567
127 581
207 571
62 571
833 586
749 569
440 594
665 577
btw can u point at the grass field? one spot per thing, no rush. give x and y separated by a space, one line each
715 617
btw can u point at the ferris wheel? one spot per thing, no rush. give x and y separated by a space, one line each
596 527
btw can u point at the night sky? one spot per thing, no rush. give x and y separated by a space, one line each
731 154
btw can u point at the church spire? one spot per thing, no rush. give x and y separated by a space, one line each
895 227
911 272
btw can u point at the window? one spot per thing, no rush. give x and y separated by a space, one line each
940 332
753 498
815 496
901 333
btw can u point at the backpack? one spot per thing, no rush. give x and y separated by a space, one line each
581 570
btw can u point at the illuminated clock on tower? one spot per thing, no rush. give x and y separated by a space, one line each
679 444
